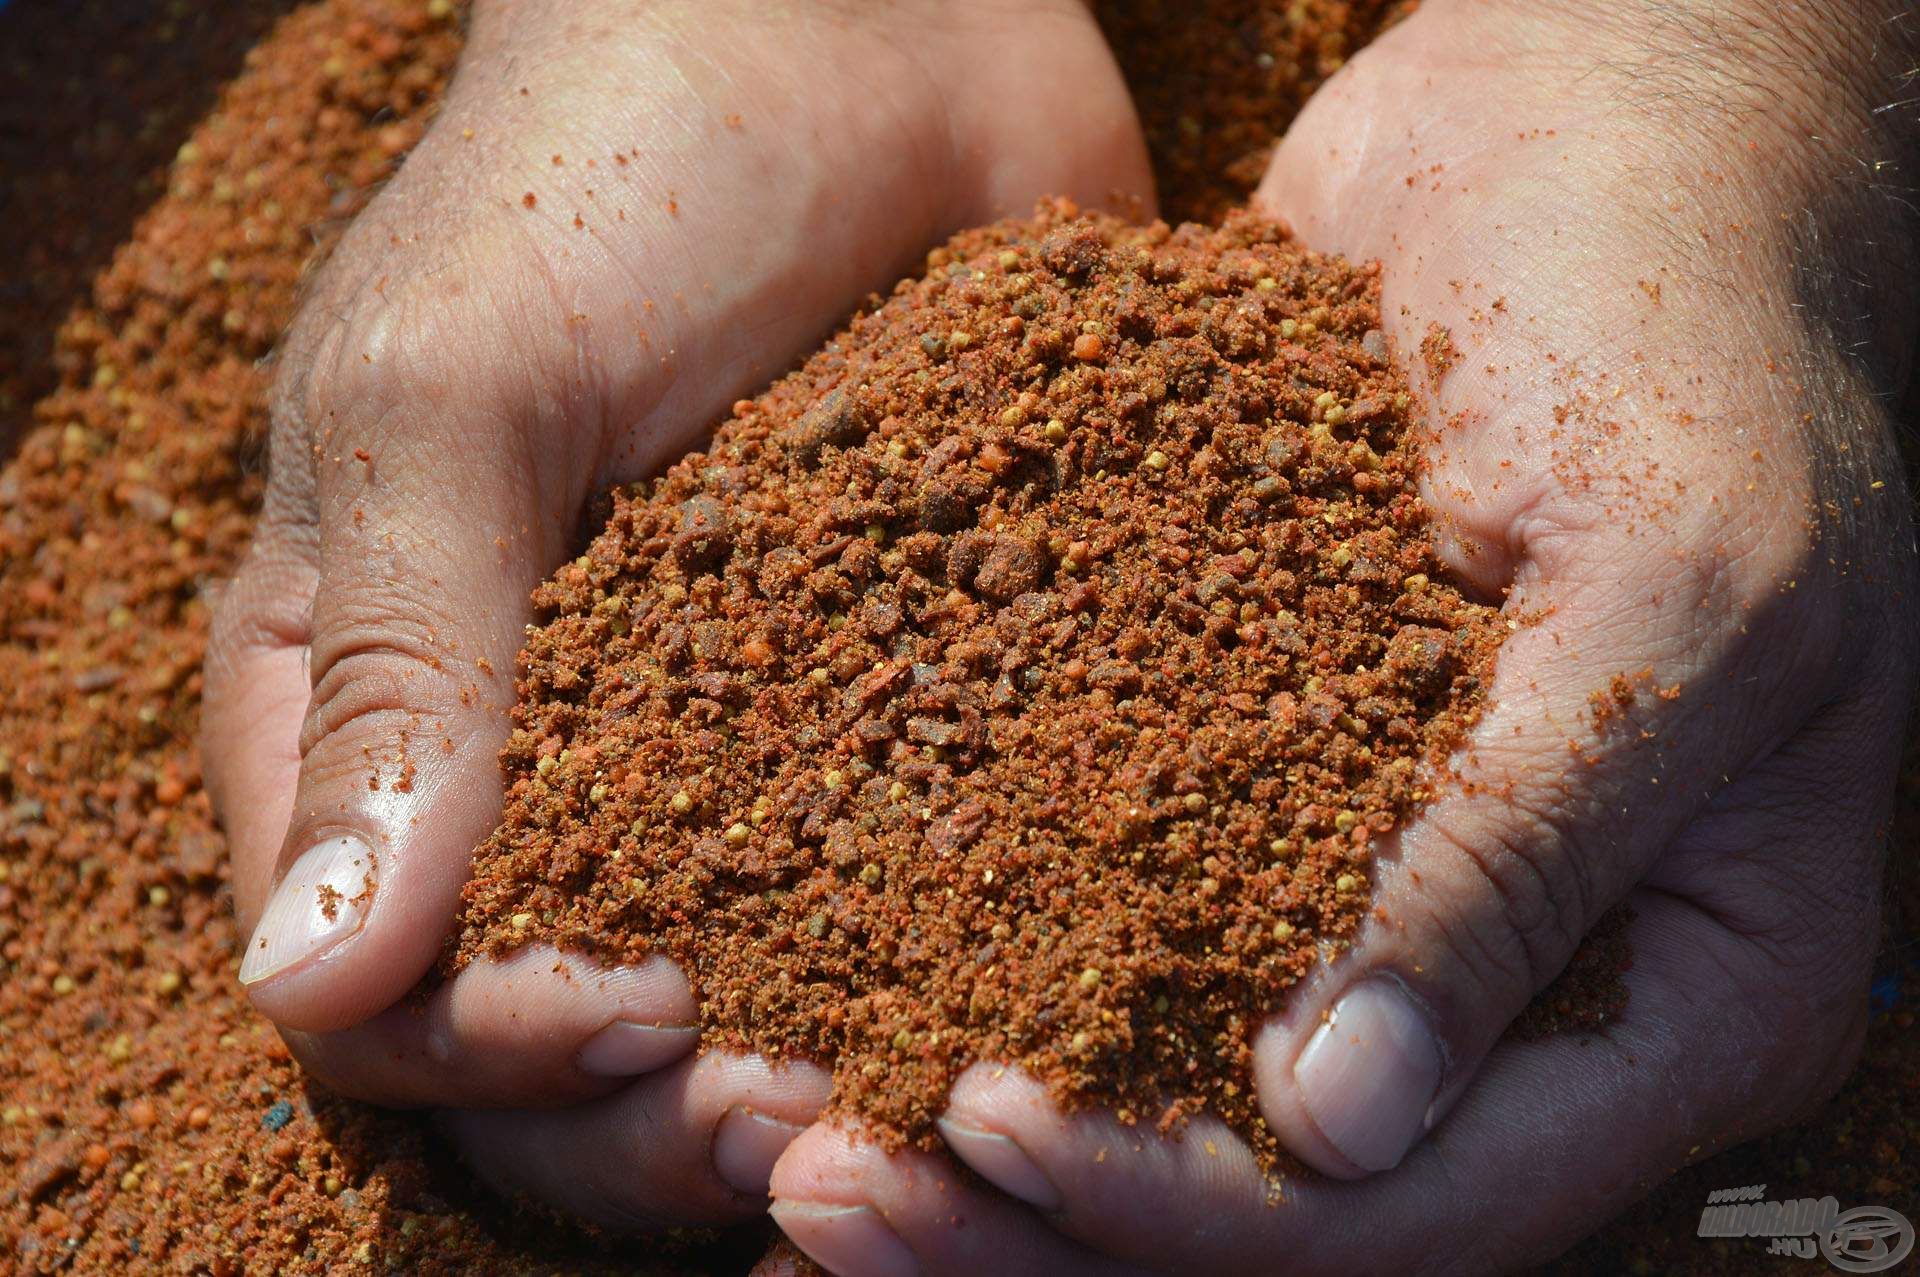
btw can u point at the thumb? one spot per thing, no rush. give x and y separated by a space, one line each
1611 723
376 623
1592 451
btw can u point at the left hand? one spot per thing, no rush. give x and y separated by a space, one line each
1663 436
625 214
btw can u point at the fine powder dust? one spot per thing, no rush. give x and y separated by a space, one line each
1029 677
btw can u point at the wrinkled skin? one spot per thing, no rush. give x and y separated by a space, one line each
1650 444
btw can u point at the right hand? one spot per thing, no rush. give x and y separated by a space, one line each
629 213
1665 305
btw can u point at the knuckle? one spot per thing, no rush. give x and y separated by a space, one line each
1531 896
390 339
1817 930
360 692
385 315
375 669
1803 1044
484 336
1797 1009
267 607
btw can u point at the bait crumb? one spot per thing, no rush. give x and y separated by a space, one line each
935 736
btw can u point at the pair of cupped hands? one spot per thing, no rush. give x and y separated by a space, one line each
1675 293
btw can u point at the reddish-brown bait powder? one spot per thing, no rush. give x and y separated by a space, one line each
1028 677
1216 82
150 1122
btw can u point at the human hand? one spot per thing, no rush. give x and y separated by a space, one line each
626 215
1644 229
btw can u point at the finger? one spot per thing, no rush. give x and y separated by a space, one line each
693 1144
743 215
1555 1137
534 1028
1127 1191
859 1211
1752 941
426 522
484 355
1566 389
537 1027
1742 1014
1696 1063
1556 810
531 1029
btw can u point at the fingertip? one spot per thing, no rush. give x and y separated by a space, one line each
998 1094
317 997
535 1029
307 933
825 1162
546 1009
695 1142
859 1210
350 931
625 1048
822 1201
1275 1049
997 1118
1356 1096
1001 1161
374 872
747 1145
794 1090
848 1241
767 1108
